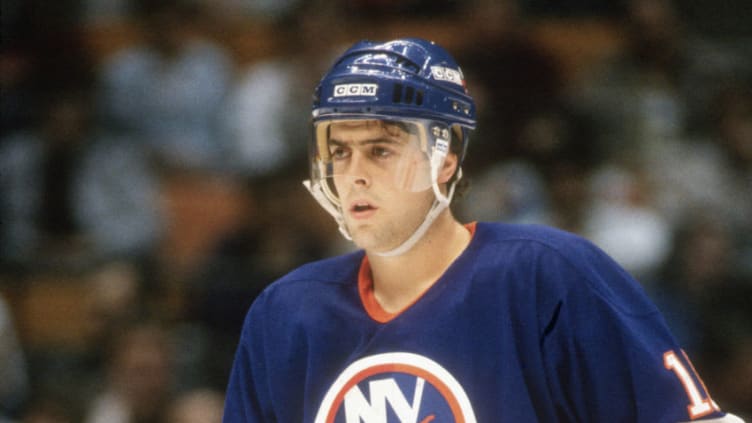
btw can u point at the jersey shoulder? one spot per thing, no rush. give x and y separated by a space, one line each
564 262
546 236
334 270
521 243
314 280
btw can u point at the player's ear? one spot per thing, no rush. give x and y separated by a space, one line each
448 168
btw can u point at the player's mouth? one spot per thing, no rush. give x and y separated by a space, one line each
362 209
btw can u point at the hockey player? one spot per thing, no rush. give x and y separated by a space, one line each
434 320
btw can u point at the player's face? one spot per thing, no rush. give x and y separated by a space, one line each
382 178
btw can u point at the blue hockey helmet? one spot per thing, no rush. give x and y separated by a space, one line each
404 78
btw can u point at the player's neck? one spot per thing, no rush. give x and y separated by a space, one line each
400 280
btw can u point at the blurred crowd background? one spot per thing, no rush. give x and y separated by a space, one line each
152 153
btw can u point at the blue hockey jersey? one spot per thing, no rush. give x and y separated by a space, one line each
529 324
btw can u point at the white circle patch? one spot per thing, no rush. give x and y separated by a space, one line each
395 387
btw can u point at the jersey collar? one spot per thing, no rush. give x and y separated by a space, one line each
368 298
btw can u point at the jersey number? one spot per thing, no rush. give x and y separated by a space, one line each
699 405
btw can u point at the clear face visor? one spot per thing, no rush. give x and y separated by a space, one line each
399 154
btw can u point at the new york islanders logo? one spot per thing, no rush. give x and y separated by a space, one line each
395 387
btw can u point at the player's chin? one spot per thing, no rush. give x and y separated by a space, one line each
375 240
364 236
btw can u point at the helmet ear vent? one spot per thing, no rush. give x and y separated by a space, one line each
397 93
409 92
406 95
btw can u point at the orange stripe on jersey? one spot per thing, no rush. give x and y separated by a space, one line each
368 298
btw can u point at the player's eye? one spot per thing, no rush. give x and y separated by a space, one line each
339 153
380 152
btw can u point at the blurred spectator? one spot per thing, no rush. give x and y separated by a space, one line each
167 90
115 298
71 191
734 134
15 103
636 96
278 231
525 131
197 406
257 121
264 120
41 50
657 87
101 12
263 9
570 196
645 103
50 409
547 170
623 220
696 280
510 191
14 380
111 298
730 21
559 143
516 79
138 384
715 174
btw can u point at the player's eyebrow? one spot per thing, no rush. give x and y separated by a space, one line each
368 141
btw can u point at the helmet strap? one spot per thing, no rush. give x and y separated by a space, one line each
318 193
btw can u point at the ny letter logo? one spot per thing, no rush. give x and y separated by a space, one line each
373 410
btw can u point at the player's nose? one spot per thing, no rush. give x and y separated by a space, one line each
357 170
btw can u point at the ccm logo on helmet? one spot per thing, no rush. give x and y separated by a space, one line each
348 90
441 73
